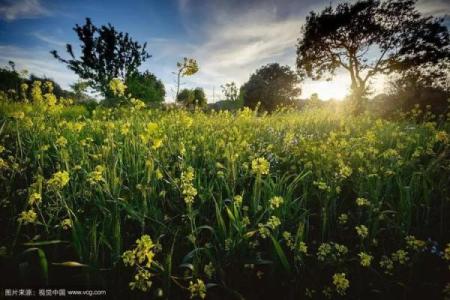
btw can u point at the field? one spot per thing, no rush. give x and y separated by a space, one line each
177 204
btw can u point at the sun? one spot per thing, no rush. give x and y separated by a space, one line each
336 89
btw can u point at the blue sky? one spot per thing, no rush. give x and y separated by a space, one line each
230 39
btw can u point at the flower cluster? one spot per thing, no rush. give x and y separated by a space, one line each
275 202
260 166
341 283
188 190
142 255
197 289
96 176
59 180
26 217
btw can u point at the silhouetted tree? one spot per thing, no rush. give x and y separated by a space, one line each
105 54
272 85
367 38
230 91
146 87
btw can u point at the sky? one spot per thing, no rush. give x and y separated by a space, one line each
229 38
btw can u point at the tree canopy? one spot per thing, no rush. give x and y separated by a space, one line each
367 38
192 98
105 54
146 87
272 85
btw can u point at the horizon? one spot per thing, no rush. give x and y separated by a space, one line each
230 40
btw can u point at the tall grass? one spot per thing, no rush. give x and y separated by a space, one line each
127 170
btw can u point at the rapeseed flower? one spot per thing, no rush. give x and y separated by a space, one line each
197 289
26 217
362 231
260 166
59 180
34 199
365 259
341 283
276 202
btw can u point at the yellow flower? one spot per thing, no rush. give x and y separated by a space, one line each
117 87
188 190
66 224
273 222
157 143
303 248
96 176
209 270
323 251
365 259
26 217
414 243
197 289
447 252
61 141
343 218
59 180
260 166
18 115
341 283
387 264
362 202
362 231
141 281
442 136
276 201
129 258
35 198
238 200
400 256
143 249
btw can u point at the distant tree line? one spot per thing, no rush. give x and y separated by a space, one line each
365 38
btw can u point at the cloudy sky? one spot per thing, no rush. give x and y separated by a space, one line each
229 38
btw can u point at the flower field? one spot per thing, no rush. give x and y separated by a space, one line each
174 204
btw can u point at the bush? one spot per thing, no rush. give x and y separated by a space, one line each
146 87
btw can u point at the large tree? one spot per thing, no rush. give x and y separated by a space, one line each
272 85
105 54
367 38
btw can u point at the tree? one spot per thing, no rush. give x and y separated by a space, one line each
187 67
192 98
367 38
106 54
230 91
271 85
146 87
199 97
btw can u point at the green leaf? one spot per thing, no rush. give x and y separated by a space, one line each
280 253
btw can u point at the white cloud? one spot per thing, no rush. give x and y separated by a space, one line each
437 8
39 62
48 39
233 47
21 9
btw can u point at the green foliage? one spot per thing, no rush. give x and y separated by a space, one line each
271 86
185 203
367 38
146 87
192 98
187 67
106 54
